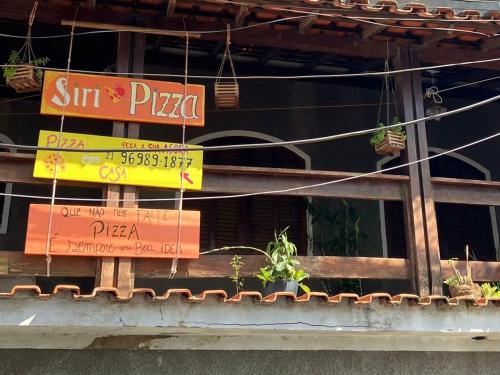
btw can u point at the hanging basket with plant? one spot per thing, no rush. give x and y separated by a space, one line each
21 76
22 71
282 274
389 141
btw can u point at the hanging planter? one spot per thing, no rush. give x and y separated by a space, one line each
22 71
226 89
24 77
390 141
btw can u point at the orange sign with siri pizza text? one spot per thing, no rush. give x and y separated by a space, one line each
112 232
122 99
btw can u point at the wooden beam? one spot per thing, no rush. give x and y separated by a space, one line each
310 66
412 205
307 23
269 55
18 264
489 44
371 30
125 272
131 29
355 47
171 9
481 271
217 49
453 190
243 12
18 168
427 191
432 39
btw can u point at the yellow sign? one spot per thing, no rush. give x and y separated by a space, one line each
158 169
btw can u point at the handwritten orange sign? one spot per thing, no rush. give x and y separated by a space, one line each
122 99
112 232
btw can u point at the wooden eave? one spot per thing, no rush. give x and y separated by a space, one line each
329 31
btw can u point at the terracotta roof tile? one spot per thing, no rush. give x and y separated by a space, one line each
221 296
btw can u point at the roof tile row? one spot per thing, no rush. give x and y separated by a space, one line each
389 6
254 296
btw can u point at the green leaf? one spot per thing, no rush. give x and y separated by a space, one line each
305 288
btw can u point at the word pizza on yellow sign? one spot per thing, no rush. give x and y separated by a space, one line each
122 99
109 231
159 169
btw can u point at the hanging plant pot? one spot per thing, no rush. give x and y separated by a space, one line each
25 79
391 144
280 286
227 95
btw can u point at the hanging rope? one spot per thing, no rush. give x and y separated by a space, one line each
175 261
26 52
48 258
227 90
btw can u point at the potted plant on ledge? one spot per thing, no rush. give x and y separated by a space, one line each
389 141
463 285
282 274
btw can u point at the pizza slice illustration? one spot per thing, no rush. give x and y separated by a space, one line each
53 159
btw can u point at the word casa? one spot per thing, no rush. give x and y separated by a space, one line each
140 97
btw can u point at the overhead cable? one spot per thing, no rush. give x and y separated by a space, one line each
268 192
262 145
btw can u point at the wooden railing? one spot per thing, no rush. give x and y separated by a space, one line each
18 167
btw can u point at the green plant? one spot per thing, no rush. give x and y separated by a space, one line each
339 234
490 290
283 266
457 278
237 264
379 136
15 59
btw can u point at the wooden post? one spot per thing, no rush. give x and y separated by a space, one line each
414 218
111 271
126 275
430 223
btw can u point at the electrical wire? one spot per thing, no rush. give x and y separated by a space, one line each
268 192
262 145
314 76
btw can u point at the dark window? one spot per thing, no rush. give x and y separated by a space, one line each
458 224
252 220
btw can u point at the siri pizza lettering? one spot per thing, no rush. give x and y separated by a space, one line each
123 99
108 231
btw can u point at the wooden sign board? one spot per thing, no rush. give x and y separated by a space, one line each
112 232
157 169
122 99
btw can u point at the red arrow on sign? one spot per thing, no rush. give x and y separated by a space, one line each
185 176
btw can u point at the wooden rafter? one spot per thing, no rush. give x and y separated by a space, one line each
371 30
52 14
432 39
171 8
269 55
243 13
307 23
489 44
